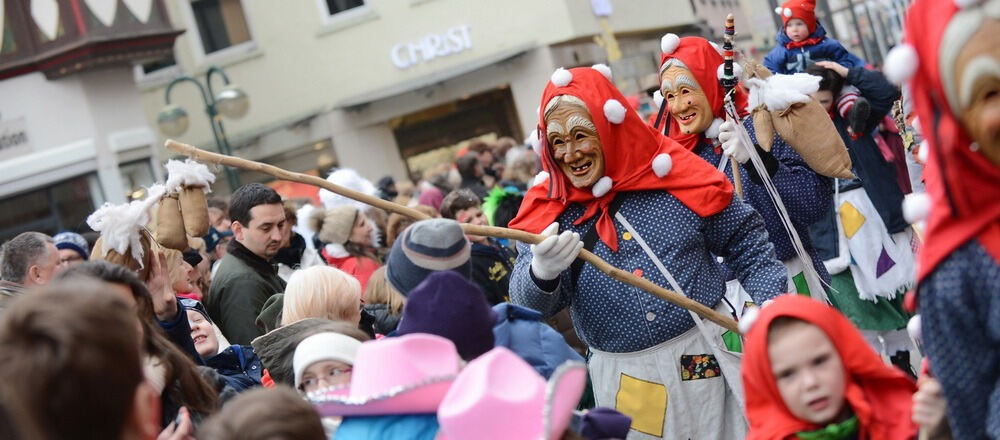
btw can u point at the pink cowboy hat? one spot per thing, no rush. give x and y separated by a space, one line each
405 375
499 396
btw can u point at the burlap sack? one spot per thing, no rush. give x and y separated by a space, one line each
763 127
126 260
194 207
170 224
811 133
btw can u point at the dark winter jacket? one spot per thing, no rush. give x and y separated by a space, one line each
491 268
277 347
385 321
239 366
784 60
875 174
242 284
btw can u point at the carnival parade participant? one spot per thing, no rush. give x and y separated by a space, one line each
620 185
951 60
694 100
863 238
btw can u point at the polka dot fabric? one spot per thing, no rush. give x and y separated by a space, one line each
615 317
806 194
960 323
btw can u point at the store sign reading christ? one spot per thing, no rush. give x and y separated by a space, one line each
451 41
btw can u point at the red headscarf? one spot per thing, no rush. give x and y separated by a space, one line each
630 148
703 59
880 395
964 187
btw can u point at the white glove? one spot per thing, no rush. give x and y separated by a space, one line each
731 144
555 253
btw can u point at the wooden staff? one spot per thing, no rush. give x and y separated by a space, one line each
729 82
491 231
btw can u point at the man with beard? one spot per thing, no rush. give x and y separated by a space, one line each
246 277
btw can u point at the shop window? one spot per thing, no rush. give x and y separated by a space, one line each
334 7
157 65
136 176
62 206
221 23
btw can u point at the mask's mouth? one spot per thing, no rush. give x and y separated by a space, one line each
687 119
579 170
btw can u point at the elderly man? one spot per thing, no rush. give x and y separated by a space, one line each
646 205
29 259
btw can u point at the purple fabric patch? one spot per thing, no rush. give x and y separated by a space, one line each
884 264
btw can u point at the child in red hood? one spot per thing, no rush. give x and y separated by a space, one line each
809 374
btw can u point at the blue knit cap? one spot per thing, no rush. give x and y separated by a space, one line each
73 241
425 247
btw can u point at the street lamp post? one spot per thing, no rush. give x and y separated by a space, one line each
231 102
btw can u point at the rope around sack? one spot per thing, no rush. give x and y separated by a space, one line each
492 231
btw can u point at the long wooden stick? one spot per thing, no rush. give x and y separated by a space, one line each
492 231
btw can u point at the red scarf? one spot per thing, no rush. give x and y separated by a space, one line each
803 43
629 150
703 60
880 395
963 185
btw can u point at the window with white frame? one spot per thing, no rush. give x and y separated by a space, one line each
221 23
334 7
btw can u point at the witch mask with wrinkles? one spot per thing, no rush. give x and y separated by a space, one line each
573 140
686 101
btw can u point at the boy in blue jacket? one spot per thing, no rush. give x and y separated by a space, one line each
801 43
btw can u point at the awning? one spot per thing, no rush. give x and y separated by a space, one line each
435 77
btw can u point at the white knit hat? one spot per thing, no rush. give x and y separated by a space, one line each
327 346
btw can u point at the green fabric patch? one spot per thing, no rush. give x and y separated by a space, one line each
733 341
801 286
834 431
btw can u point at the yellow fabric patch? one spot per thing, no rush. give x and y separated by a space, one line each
627 236
645 402
851 218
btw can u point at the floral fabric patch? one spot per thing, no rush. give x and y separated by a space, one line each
699 366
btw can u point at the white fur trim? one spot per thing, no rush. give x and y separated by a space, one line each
913 327
901 63
737 70
916 125
925 151
658 99
662 164
561 77
602 186
713 130
604 69
916 206
614 111
749 319
188 173
788 13
540 178
120 225
669 43
777 10
349 179
336 250
778 91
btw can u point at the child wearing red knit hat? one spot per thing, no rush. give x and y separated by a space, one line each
803 42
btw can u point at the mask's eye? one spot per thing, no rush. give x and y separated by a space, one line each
580 136
685 91
668 96
555 142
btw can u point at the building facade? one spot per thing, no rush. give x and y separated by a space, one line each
73 133
374 84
